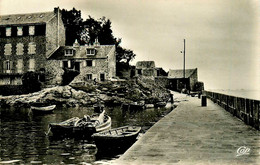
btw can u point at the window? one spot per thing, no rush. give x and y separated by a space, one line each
69 52
65 64
8 31
158 72
19 49
8 65
139 71
31 65
31 30
89 63
89 76
19 65
102 77
8 49
32 48
90 51
19 31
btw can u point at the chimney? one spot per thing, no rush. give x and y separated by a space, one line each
76 44
96 43
56 10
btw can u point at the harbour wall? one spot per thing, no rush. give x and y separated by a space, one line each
248 110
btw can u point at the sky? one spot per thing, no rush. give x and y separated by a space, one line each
222 36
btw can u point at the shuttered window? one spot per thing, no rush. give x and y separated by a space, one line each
19 65
8 31
19 31
19 49
8 49
31 65
32 48
31 30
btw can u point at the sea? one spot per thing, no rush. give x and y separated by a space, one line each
25 137
250 94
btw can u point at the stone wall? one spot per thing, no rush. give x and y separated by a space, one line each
162 81
101 67
62 35
53 72
51 36
111 63
193 80
244 109
25 40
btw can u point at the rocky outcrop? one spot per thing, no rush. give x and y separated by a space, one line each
61 95
110 93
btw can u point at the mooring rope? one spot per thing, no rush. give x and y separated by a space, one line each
48 131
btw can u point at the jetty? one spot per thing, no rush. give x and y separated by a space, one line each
195 134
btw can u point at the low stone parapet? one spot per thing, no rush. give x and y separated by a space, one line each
245 109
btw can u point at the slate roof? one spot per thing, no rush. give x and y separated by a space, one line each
176 74
31 18
80 52
145 64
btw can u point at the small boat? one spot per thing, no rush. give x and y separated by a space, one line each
63 128
117 138
160 104
43 109
85 126
133 106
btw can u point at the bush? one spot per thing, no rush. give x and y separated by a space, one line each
31 82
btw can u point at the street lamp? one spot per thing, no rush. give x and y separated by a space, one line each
183 60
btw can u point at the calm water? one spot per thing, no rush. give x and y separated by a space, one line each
250 94
23 135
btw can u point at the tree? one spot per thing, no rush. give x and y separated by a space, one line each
87 31
73 24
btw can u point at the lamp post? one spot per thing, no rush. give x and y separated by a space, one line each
183 59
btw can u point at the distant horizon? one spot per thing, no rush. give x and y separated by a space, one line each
222 36
250 94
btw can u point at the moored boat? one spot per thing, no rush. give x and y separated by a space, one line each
117 138
85 126
133 106
63 128
43 109
160 104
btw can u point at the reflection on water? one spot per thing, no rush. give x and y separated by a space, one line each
23 135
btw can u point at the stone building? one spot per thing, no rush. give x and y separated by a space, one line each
177 81
93 62
26 43
147 69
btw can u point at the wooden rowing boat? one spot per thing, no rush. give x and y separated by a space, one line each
85 126
117 138
43 109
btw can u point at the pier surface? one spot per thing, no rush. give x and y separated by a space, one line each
192 134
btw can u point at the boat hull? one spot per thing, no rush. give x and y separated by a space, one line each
43 110
58 129
120 141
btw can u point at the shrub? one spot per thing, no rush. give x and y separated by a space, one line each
31 82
